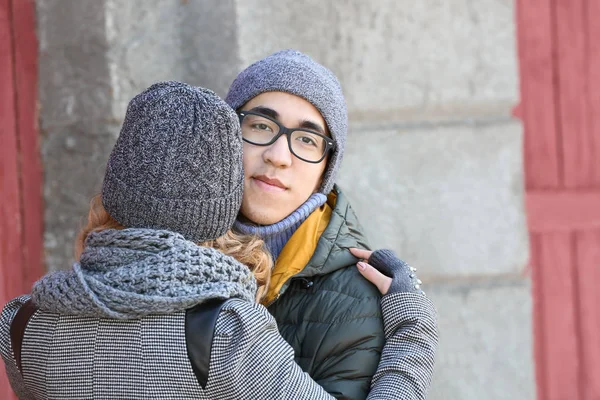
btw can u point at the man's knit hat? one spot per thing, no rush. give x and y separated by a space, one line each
177 164
296 73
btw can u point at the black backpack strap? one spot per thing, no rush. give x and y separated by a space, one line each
17 329
200 324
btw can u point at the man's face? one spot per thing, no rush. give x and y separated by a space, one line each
276 182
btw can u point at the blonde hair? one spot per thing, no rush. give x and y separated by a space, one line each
247 249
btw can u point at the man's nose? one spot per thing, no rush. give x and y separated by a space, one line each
279 153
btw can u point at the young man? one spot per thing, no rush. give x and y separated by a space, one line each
294 125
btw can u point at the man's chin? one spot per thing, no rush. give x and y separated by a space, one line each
264 215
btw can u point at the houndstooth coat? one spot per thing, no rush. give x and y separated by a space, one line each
116 329
67 357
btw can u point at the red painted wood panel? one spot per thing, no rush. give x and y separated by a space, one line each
571 33
562 160
538 104
21 214
559 314
588 277
593 93
539 322
10 206
563 210
30 170
538 110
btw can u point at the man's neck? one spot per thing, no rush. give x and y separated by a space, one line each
278 234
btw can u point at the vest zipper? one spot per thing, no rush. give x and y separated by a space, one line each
307 285
273 301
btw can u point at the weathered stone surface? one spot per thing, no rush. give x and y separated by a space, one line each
76 121
74 79
397 59
95 55
486 349
74 160
191 41
448 199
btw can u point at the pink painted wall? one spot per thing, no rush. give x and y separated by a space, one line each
560 92
21 216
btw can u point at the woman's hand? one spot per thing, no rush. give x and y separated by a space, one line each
369 272
386 271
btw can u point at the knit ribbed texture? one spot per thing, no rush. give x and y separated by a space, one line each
131 273
177 164
278 234
293 72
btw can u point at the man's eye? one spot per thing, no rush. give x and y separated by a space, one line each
261 127
307 140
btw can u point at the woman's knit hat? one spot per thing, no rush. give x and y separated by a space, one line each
177 164
296 73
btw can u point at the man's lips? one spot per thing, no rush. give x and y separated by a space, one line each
271 184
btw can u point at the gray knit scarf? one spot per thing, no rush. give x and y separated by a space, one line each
130 273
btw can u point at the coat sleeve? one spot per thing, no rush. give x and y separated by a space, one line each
404 371
408 357
14 376
250 360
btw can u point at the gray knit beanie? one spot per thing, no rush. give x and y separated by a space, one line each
296 73
177 164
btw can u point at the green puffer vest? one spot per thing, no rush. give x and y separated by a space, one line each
330 314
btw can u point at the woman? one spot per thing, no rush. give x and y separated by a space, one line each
142 314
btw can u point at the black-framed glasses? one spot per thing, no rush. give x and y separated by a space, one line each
307 145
